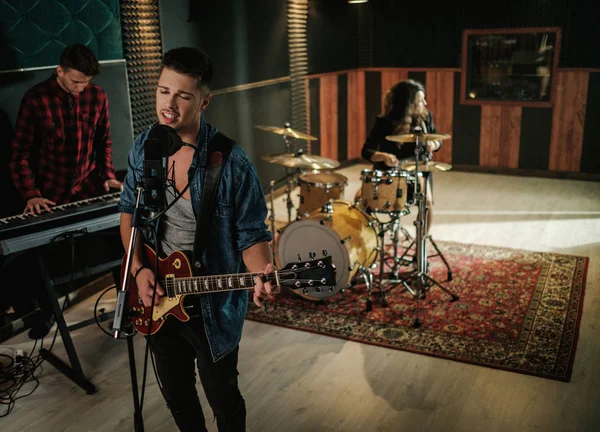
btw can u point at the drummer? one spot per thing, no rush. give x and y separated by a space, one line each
405 110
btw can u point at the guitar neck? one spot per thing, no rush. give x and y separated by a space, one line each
214 283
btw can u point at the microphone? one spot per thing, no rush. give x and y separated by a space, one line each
162 142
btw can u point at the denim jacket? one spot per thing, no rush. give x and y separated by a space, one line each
237 223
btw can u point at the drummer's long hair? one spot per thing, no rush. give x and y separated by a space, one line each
400 105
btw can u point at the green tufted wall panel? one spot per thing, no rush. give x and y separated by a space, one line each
33 33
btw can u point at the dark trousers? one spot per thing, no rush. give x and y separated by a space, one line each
175 347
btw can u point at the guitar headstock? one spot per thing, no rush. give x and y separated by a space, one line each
315 276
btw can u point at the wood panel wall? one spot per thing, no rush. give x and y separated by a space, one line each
440 101
500 136
328 107
568 120
357 114
499 129
388 79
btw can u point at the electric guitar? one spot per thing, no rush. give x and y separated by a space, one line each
176 277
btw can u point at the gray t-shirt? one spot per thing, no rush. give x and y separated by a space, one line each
178 224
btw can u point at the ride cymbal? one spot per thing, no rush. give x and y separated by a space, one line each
412 137
292 160
429 166
286 131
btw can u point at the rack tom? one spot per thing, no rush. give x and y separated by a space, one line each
317 189
384 191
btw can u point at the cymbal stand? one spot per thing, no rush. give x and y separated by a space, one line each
290 184
419 282
272 185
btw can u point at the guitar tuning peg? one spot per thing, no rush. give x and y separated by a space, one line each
299 258
325 252
312 255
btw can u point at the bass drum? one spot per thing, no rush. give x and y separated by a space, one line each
338 229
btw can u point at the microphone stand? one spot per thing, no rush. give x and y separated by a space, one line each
160 143
122 322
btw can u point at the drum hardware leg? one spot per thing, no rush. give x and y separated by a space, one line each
371 280
406 234
395 240
343 290
432 282
418 322
439 253
383 299
368 278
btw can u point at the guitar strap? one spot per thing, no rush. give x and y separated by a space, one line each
218 151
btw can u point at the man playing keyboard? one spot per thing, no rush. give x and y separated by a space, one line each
61 150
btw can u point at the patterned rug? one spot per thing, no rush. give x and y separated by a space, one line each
517 310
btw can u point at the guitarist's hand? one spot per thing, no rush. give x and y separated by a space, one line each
145 284
265 290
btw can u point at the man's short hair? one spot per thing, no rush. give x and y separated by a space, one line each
192 62
80 58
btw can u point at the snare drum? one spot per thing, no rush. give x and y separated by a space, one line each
318 188
342 230
384 191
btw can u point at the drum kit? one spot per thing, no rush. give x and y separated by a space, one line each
354 232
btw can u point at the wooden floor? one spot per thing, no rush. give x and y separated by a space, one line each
297 381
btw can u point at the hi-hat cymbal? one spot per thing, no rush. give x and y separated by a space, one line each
293 160
286 131
429 166
411 137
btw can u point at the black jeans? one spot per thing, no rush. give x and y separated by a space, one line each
175 346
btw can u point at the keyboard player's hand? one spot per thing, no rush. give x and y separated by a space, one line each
114 184
35 205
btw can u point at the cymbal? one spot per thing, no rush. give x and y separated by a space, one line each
411 137
286 131
429 166
293 160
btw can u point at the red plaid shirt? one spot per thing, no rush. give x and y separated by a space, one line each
62 149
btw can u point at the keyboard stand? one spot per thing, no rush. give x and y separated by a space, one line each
22 233
73 372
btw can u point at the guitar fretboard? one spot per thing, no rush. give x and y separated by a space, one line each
208 284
